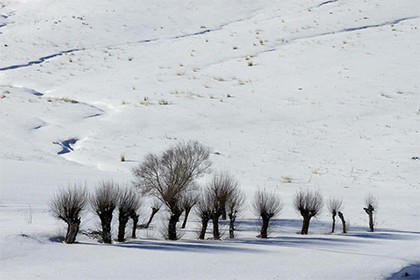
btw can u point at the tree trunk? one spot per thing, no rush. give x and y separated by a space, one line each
172 226
154 211
123 219
333 223
187 212
204 223
371 224
264 227
216 232
72 230
343 222
369 211
232 218
305 224
135 219
106 227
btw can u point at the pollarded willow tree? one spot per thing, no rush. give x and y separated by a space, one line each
156 205
204 211
128 206
220 190
234 206
104 201
68 205
170 176
267 205
371 207
309 204
334 206
188 202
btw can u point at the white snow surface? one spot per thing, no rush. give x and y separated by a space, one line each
288 94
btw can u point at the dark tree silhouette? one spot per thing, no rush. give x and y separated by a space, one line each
68 205
309 204
170 176
371 205
188 202
220 189
267 205
233 207
334 206
128 205
155 208
203 211
343 221
104 201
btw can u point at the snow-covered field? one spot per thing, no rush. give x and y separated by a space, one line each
289 94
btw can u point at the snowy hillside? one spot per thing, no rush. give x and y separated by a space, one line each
288 94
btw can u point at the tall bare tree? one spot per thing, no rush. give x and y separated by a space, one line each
67 204
170 176
188 202
104 201
334 206
220 189
128 206
267 205
309 204
371 206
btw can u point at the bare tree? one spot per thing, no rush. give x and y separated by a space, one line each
67 204
220 189
157 204
203 211
334 206
104 201
309 204
371 205
343 221
266 205
170 176
233 207
128 205
188 202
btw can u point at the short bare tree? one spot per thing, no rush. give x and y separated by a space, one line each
334 206
188 202
234 206
170 176
203 211
220 189
309 204
267 205
67 204
128 206
156 205
343 221
104 201
371 207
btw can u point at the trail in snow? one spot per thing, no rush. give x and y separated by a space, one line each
327 2
290 41
48 57
38 61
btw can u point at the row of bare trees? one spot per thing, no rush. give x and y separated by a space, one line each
68 205
171 178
